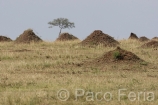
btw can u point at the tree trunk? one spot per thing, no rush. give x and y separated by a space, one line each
60 31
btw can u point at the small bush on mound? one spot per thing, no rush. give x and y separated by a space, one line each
4 39
28 36
66 37
133 36
98 37
151 44
143 39
117 55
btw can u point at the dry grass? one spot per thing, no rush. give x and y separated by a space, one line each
32 74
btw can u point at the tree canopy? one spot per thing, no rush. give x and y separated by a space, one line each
62 23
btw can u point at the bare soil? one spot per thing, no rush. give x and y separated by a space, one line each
155 38
98 37
66 37
28 36
117 59
143 39
151 44
21 50
118 55
133 36
4 39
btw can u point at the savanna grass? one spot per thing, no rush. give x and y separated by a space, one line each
32 74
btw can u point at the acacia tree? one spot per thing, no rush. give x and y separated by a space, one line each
62 23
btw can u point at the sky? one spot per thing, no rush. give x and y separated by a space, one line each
118 18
